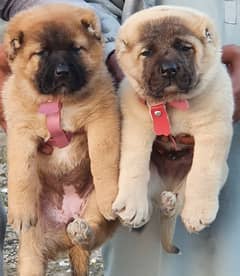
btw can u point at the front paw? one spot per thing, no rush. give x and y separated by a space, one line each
198 214
22 218
105 208
134 209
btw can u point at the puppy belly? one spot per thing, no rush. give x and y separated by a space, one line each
59 210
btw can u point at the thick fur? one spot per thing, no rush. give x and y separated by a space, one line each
185 40
37 41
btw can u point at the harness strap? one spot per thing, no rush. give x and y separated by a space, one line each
58 137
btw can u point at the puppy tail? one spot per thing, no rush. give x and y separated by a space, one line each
167 228
79 259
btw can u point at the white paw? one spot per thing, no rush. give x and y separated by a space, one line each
133 209
168 202
198 214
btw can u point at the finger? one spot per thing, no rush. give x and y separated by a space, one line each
228 54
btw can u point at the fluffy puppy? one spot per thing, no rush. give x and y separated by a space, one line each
63 200
175 84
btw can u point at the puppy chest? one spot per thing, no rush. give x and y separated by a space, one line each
66 159
64 195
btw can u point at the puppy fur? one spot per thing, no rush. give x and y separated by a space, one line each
185 42
37 41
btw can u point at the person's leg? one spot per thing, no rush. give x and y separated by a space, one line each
213 252
3 221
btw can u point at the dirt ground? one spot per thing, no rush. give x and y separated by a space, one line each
59 267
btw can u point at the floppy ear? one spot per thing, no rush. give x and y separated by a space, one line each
91 24
13 43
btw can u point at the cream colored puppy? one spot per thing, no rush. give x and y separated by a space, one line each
175 83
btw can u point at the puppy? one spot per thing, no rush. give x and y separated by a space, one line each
60 94
175 84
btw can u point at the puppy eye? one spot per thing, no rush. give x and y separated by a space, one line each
77 49
40 53
183 46
146 53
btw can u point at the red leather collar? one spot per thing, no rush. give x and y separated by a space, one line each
159 115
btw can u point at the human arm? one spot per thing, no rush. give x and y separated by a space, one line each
231 57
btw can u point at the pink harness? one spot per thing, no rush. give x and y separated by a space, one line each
58 137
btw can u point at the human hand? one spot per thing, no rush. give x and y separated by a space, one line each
114 68
231 57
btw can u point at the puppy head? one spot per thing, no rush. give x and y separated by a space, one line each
57 48
168 52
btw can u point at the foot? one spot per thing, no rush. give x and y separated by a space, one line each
134 210
198 214
168 202
22 218
80 232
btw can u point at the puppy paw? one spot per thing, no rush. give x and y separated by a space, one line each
168 202
134 210
80 232
105 208
22 218
197 215
105 199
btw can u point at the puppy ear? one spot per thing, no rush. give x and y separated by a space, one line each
121 45
13 43
208 35
91 24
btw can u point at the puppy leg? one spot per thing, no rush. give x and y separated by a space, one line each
206 177
170 204
79 259
104 149
132 204
23 179
91 230
31 260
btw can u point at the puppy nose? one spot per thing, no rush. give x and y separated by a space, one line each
168 69
62 70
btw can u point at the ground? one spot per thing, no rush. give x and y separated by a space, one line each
56 268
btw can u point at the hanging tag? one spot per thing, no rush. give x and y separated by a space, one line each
161 124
